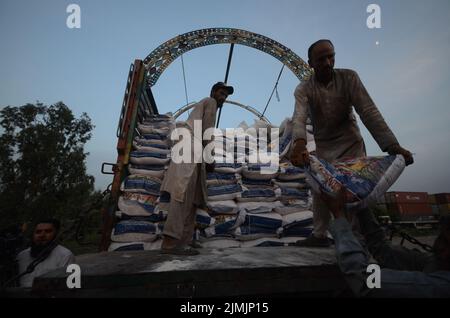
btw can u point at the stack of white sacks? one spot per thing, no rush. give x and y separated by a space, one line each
249 204
140 221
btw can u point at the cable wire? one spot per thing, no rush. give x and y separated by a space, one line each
273 91
184 79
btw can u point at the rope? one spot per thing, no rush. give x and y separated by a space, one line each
273 91
184 79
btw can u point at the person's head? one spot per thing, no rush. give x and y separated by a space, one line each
321 59
441 247
220 91
45 231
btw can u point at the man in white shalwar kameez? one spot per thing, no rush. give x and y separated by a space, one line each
44 246
186 182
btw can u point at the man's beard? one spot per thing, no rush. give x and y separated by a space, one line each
36 249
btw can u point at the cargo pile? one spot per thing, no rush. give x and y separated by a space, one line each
247 204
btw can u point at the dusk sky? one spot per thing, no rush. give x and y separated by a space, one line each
404 65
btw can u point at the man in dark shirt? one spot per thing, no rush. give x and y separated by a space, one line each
404 272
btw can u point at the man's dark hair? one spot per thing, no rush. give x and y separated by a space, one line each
56 224
316 43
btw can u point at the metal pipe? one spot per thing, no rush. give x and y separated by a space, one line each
230 55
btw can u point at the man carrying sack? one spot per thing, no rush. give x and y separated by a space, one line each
328 98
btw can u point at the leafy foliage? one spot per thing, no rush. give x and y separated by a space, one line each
42 162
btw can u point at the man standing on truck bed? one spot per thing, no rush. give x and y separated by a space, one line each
186 182
327 98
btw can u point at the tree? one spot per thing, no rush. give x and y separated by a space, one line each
42 162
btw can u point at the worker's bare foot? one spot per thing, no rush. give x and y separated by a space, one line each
169 242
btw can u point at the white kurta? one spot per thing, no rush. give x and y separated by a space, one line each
59 257
179 175
336 132
330 108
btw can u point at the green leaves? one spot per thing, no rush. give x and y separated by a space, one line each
42 162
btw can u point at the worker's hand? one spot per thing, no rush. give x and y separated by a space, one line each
209 167
336 204
396 149
299 155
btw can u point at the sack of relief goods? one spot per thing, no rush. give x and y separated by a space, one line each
364 179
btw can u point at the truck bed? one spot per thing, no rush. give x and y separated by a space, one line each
269 271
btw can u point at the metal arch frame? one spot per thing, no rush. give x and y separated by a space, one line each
255 112
160 58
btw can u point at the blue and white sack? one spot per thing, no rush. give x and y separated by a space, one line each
258 195
142 184
222 207
216 178
132 231
152 148
224 192
296 183
148 158
144 145
224 226
296 230
225 167
285 140
297 224
293 206
260 171
157 139
256 207
293 194
252 183
153 217
154 129
304 218
156 171
257 225
203 219
137 204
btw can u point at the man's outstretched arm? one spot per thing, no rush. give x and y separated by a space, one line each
353 261
373 120
388 256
